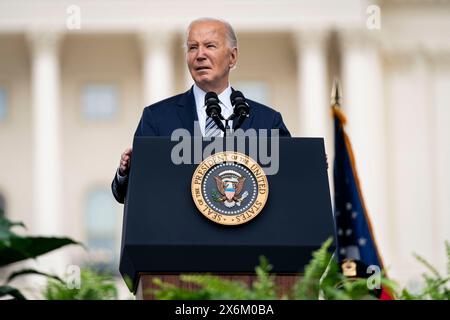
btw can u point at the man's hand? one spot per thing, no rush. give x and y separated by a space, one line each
125 161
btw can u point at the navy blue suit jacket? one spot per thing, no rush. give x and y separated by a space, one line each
180 111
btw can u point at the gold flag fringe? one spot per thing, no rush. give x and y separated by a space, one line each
339 114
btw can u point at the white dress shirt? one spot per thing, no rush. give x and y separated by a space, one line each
225 104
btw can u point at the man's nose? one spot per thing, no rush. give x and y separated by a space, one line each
200 54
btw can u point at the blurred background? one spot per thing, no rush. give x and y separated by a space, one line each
76 75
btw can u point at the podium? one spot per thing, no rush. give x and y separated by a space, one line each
164 234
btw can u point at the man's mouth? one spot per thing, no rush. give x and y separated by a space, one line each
202 68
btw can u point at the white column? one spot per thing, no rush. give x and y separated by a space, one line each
158 58
314 116
313 91
441 140
46 134
362 102
187 78
411 159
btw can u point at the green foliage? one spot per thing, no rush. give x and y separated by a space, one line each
23 248
215 288
436 287
92 286
348 289
6 290
215 196
15 248
308 288
264 286
31 271
322 279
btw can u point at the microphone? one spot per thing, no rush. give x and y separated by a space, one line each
213 109
241 108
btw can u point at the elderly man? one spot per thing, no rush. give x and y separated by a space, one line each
212 52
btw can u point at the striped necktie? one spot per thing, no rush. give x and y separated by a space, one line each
211 128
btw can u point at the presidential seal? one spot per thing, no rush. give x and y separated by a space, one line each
229 188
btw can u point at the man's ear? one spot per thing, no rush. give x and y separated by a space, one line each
233 58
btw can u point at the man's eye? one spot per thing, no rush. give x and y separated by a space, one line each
192 47
211 46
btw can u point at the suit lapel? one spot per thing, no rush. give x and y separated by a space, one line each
187 111
247 124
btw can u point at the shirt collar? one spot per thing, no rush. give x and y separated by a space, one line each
224 97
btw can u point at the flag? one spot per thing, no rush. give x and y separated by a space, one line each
355 237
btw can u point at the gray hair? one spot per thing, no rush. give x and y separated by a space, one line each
230 34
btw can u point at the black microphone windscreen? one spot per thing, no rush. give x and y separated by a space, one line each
211 96
213 108
236 96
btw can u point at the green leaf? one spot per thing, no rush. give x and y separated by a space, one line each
22 248
32 271
427 265
93 286
331 280
264 286
168 291
5 228
406 295
447 250
357 289
308 287
11 291
332 293
217 288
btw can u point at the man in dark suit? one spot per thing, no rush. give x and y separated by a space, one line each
211 53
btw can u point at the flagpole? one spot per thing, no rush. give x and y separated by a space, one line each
336 94
336 98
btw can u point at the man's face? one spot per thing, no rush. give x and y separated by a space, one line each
209 56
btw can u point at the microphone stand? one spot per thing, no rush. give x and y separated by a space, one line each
227 127
241 119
